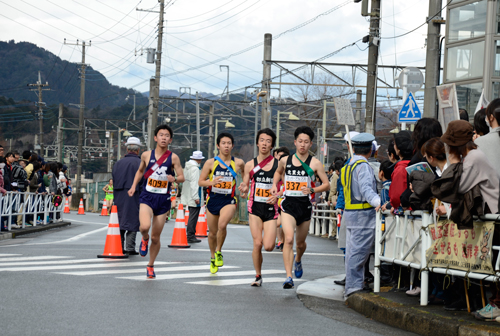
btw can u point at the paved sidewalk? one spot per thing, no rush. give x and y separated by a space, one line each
398 310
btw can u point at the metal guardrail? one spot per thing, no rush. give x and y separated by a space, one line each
321 221
396 245
15 204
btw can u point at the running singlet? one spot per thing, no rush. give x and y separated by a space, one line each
227 185
295 179
158 183
262 184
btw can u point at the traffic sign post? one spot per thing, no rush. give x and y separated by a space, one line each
411 80
409 113
343 110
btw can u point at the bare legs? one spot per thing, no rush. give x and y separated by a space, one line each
289 227
145 218
256 228
217 228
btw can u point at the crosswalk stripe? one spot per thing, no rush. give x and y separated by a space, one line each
200 275
265 252
58 267
33 258
9 255
230 282
157 269
63 262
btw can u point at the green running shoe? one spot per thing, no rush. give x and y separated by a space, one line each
219 262
213 268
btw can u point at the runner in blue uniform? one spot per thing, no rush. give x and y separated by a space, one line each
262 206
219 175
299 171
160 168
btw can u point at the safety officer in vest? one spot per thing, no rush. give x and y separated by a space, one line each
361 203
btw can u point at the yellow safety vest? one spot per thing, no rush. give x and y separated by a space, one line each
346 180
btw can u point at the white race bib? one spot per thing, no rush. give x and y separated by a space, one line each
294 184
224 186
262 192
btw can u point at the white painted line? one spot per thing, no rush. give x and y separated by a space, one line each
64 262
264 252
103 265
157 269
94 223
230 282
9 255
201 275
31 258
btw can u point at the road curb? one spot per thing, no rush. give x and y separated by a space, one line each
34 229
413 319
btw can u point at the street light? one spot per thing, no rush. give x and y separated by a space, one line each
133 110
227 124
291 116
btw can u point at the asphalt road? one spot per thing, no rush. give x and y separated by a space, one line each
52 283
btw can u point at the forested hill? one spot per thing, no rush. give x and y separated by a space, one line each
19 66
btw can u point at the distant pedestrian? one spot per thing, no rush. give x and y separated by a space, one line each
128 207
192 194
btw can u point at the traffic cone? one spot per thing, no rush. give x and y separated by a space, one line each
104 211
113 245
66 206
186 216
201 226
81 211
179 237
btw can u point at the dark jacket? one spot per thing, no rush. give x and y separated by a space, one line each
7 177
463 206
421 183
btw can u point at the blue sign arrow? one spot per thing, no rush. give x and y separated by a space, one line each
410 112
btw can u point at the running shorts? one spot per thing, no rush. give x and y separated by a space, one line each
159 203
300 210
264 211
214 205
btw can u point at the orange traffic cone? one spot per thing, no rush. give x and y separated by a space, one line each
201 226
186 216
113 245
66 206
104 211
81 211
179 237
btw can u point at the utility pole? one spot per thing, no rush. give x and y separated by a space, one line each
151 141
60 134
432 61
358 111
266 74
80 123
41 104
226 89
198 137
153 116
211 132
371 81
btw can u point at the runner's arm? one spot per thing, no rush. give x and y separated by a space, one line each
278 174
179 173
140 173
205 171
243 188
320 171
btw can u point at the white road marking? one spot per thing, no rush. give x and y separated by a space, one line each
157 269
230 282
64 262
201 275
30 258
265 252
9 255
85 222
103 265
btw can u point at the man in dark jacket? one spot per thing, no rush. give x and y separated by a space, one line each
128 207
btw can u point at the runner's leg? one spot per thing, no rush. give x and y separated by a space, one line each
226 213
288 225
256 227
145 216
269 235
212 222
158 223
301 235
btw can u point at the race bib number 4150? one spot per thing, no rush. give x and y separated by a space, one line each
262 192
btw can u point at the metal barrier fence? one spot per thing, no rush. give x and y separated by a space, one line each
321 221
15 204
404 240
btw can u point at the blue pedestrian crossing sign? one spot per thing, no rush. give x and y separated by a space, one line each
409 113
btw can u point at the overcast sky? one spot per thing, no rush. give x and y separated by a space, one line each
201 31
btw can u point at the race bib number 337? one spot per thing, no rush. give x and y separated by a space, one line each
294 185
